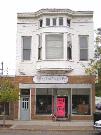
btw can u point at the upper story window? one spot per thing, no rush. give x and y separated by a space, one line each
47 21
83 41
40 23
68 22
69 52
60 20
54 46
40 47
26 47
69 47
54 21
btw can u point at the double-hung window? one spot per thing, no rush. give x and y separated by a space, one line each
54 21
26 47
60 21
40 47
47 21
69 52
54 46
68 22
40 23
83 41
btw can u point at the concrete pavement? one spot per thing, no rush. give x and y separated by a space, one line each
37 125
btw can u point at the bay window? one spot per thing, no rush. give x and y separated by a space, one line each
54 46
60 21
40 47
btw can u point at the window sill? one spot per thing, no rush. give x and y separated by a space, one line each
25 62
54 60
55 26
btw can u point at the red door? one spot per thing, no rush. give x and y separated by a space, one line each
60 105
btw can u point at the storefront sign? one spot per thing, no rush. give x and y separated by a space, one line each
50 79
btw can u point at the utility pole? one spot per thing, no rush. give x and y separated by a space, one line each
1 69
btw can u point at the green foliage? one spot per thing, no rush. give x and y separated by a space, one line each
94 67
8 91
98 89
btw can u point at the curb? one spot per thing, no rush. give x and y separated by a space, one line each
44 128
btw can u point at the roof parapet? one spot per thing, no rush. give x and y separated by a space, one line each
54 11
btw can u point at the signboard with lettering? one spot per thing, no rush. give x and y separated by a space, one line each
50 79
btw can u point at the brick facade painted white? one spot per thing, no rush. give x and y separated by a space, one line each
28 25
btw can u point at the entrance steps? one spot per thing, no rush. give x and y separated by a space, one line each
61 119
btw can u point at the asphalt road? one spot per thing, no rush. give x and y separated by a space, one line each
22 132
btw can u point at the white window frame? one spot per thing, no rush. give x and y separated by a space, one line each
23 48
41 20
63 47
53 21
47 19
62 21
40 47
84 48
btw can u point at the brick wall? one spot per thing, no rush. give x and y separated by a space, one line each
33 103
29 79
81 79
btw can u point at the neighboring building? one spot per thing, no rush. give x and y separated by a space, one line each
52 47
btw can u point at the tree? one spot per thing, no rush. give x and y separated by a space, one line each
8 93
95 64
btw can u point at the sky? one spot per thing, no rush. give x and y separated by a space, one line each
8 22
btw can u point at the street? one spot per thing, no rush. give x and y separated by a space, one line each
25 132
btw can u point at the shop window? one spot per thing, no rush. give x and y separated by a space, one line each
43 104
6 108
81 101
43 101
47 21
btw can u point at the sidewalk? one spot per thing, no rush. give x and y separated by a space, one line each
37 125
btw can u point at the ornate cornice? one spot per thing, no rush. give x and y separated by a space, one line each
54 11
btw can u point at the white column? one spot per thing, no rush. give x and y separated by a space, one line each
30 109
71 101
43 46
65 46
44 22
19 102
57 21
65 21
51 21
91 101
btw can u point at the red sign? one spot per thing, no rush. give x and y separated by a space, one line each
60 107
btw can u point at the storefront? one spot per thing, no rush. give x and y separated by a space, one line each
41 100
76 101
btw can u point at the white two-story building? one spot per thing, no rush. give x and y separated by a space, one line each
53 46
